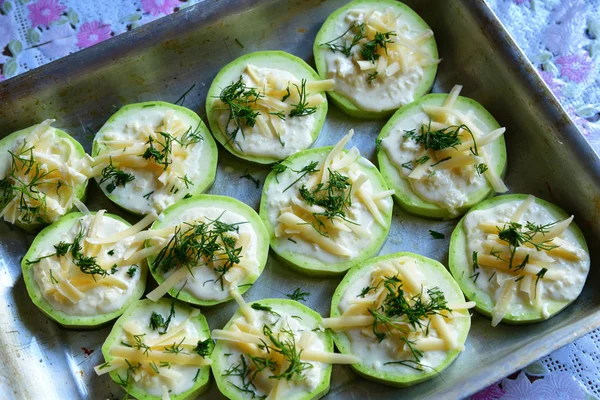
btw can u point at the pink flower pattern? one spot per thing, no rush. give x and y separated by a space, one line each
91 33
554 84
158 7
44 12
575 67
492 392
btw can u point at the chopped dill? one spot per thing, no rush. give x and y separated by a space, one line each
298 295
181 100
307 169
436 235
252 179
346 48
302 108
116 177
241 101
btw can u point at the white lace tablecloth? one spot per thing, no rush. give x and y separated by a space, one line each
560 37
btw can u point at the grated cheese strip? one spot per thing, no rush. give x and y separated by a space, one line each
421 169
365 65
105 158
139 256
80 206
241 337
366 199
452 96
168 284
500 250
501 306
485 260
337 149
69 291
431 344
348 322
132 230
407 272
443 331
136 355
308 232
523 207
554 231
252 74
113 365
174 331
248 311
327 357
383 195
490 174
458 162
422 37
461 306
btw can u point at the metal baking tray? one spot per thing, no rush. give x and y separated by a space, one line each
547 157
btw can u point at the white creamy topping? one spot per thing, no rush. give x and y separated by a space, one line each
376 354
389 82
97 297
289 320
338 240
206 283
46 169
572 273
272 135
153 188
177 378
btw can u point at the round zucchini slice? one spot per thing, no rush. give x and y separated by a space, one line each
266 106
157 349
402 315
77 282
42 174
206 246
284 353
520 258
380 53
442 154
149 155
326 209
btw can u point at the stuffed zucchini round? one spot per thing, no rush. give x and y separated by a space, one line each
266 106
380 53
402 315
326 209
274 348
42 175
442 154
149 155
520 258
205 247
159 350
77 280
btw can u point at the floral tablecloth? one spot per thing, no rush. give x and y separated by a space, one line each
560 37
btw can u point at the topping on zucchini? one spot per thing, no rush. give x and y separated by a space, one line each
203 248
76 274
42 175
402 315
149 155
442 154
326 209
159 350
381 55
520 258
274 348
266 106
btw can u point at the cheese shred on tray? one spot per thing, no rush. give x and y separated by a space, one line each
326 209
274 349
78 282
402 315
520 258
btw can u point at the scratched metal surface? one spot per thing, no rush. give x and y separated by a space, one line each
547 157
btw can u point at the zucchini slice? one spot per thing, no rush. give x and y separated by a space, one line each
205 247
76 281
520 258
442 154
149 155
266 106
157 349
326 209
380 53
42 175
402 315
274 348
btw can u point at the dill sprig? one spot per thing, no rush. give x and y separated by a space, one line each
285 346
30 189
475 267
200 244
335 197
307 169
160 153
436 235
242 371
298 295
181 100
203 348
344 47
116 177
370 49
397 308
279 167
252 179
436 140
516 235
241 101
260 307
302 109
